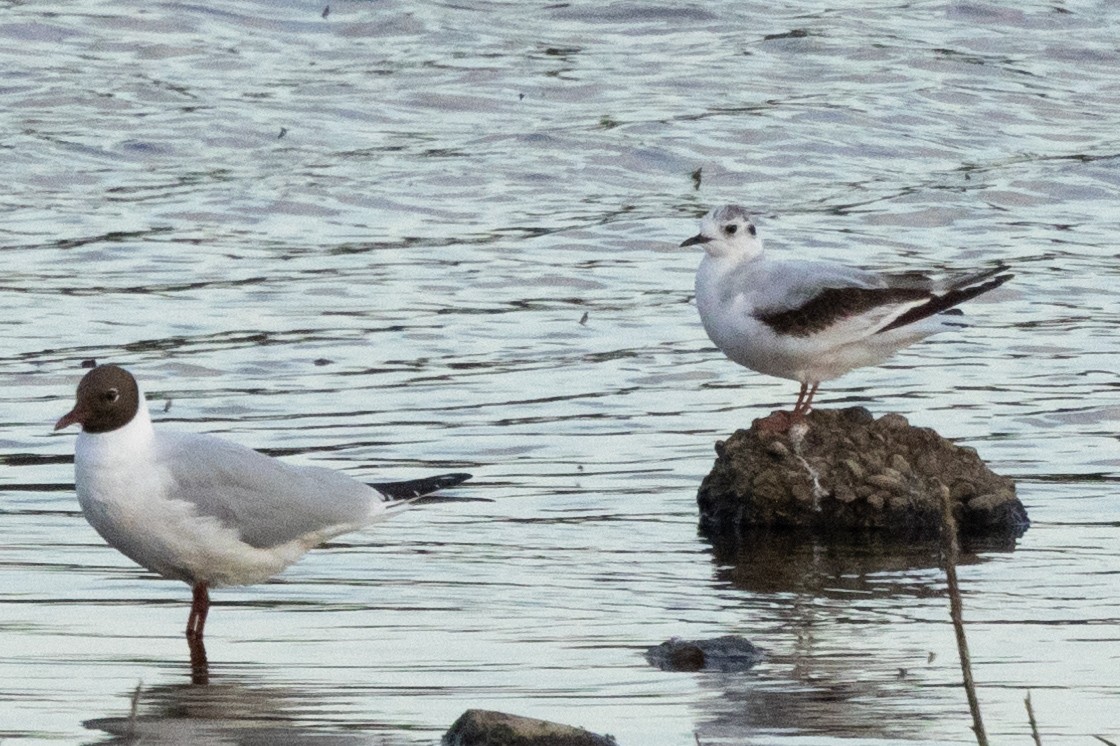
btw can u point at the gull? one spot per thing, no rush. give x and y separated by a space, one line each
812 321
205 510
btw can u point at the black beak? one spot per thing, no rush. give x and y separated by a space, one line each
698 238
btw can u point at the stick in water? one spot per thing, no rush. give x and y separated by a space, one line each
1033 722
951 549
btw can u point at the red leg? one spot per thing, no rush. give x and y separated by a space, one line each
200 606
781 421
800 397
806 404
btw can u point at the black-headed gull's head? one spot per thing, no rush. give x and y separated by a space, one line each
727 232
108 399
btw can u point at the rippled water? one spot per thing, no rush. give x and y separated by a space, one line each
367 238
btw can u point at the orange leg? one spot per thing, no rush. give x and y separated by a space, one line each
200 606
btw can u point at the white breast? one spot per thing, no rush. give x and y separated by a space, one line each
123 491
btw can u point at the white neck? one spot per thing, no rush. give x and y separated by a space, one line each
742 249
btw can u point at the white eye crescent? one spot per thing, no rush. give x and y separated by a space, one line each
112 395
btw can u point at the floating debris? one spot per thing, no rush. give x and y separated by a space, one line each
728 653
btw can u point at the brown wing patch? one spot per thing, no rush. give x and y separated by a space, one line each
834 304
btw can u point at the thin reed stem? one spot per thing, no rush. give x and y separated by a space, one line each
951 550
133 711
1033 722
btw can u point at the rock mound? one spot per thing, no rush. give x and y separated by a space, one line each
844 470
491 728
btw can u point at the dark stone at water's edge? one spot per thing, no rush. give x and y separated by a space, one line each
728 654
845 471
490 728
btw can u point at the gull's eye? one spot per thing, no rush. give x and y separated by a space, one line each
753 231
730 229
112 395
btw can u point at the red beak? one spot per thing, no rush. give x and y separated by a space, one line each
70 418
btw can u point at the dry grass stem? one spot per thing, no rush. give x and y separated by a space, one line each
951 550
1033 722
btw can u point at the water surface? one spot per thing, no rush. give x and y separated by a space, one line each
367 240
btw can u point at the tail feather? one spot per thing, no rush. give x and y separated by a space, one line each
921 281
413 489
959 292
967 280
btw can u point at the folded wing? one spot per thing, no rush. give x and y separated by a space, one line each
267 501
852 304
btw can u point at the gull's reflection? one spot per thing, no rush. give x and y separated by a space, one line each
800 563
231 712
200 667
845 625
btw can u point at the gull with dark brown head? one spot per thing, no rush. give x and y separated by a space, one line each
204 510
812 321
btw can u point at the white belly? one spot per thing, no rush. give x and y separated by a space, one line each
128 507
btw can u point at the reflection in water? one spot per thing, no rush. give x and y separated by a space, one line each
228 712
405 271
200 666
823 682
800 563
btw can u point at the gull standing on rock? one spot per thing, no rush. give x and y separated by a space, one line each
204 510
813 321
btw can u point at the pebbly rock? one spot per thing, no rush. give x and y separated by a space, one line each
845 471
491 728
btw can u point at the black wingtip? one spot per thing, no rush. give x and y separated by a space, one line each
942 303
413 488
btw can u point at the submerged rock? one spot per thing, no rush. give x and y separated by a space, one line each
727 653
490 728
844 470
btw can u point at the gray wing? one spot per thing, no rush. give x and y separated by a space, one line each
803 298
778 286
267 501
